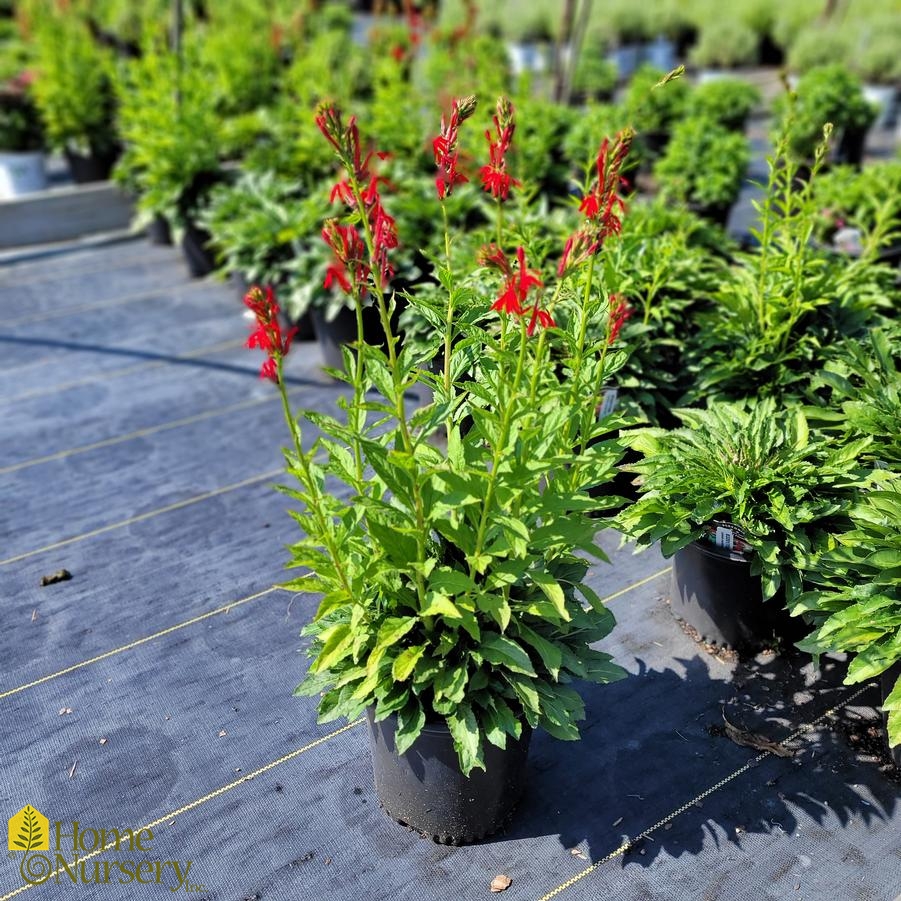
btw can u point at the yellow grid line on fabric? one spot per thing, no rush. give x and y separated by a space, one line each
638 584
194 804
98 304
121 372
141 517
225 608
630 843
142 433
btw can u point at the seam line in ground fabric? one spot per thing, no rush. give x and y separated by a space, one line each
123 371
141 517
139 641
630 843
225 608
638 584
98 305
143 432
41 264
197 803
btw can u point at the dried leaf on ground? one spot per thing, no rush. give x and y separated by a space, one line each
500 883
62 575
755 741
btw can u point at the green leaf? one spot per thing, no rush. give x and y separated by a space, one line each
551 656
503 651
405 661
464 728
552 590
441 605
410 722
335 647
393 629
496 606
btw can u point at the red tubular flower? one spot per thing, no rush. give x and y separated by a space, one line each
267 335
620 311
495 178
602 206
539 317
359 191
516 287
444 146
491 255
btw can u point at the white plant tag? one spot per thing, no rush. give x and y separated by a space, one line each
725 538
608 402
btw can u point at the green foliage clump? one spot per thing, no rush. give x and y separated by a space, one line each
753 463
73 86
725 43
726 101
703 165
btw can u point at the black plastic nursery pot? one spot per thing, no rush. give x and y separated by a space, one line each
887 683
90 167
333 334
713 591
158 231
195 245
424 788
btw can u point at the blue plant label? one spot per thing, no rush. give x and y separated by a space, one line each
725 538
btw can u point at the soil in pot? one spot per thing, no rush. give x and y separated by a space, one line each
713 591
425 789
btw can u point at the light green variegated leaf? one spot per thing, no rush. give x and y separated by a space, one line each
441 605
405 662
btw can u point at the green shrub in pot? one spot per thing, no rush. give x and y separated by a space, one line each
652 111
820 46
171 128
782 304
73 87
725 43
857 394
856 602
20 123
825 94
866 200
876 58
726 101
703 166
754 464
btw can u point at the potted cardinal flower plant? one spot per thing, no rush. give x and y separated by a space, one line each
455 611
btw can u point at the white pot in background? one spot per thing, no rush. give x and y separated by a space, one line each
21 173
881 96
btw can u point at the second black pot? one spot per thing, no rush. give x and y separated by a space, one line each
195 245
90 167
425 789
714 593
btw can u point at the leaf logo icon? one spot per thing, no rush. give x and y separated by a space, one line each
29 830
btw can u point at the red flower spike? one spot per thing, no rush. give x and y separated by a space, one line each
492 255
620 311
540 317
495 179
444 147
267 336
602 206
